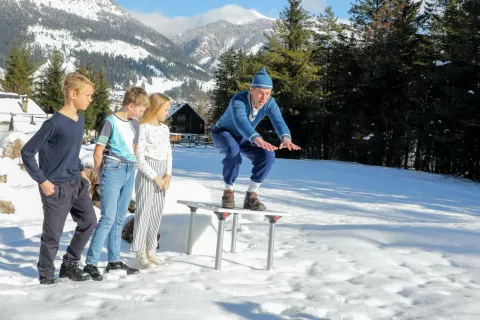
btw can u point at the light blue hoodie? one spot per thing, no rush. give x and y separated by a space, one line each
240 121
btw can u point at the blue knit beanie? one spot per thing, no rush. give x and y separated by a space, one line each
262 80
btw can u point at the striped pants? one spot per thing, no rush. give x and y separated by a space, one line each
150 201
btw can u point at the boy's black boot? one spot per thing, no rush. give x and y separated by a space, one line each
93 272
112 266
73 272
46 281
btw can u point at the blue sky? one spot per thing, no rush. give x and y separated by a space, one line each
270 8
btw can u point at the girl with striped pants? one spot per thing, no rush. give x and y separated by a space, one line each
154 164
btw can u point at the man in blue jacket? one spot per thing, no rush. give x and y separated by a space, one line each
234 134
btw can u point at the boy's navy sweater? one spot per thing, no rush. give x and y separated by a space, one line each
58 143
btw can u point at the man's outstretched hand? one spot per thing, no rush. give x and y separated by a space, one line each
264 145
287 143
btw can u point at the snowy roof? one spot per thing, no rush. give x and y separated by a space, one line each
12 103
176 107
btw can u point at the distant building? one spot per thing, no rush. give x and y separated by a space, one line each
20 113
184 119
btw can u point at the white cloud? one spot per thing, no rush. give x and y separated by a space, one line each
166 26
173 26
314 6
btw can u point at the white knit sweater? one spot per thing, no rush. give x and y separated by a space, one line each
154 144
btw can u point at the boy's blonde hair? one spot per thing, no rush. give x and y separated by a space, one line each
157 101
75 81
137 96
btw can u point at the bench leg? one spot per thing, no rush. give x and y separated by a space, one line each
271 240
221 226
190 230
234 233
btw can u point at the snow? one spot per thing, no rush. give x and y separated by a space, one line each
361 242
174 108
115 48
236 14
439 63
50 39
206 85
86 155
8 166
215 64
68 66
157 71
175 26
256 48
368 137
159 84
204 60
11 136
196 67
88 9
6 138
147 41
12 103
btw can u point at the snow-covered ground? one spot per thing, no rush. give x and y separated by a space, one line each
360 243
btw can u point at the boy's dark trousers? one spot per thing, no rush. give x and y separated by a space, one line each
74 197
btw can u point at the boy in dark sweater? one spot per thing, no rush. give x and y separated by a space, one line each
63 184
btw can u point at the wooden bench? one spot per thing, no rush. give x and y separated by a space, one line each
222 214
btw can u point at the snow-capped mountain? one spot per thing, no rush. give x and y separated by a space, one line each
172 26
97 31
207 43
105 34
88 9
231 13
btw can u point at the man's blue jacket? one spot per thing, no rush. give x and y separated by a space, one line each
240 121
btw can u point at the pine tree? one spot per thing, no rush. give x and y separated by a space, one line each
327 131
201 110
389 33
49 94
19 71
293 26
101 97
226 83
289 59
453 144
90 114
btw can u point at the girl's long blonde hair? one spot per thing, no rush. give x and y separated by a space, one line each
157 101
